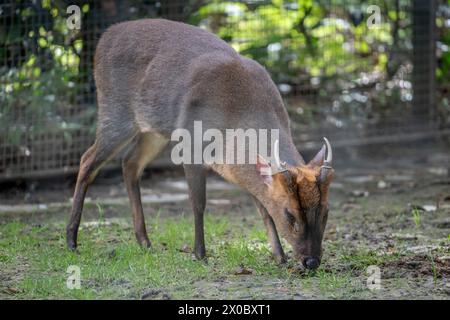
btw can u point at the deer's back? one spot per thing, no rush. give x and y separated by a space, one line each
164 74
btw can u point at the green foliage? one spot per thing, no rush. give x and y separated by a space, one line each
352 71
324 47
40 82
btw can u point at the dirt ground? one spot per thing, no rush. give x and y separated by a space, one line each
391 211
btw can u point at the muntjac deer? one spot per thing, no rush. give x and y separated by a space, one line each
154 76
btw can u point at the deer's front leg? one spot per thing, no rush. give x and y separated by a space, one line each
196 179
277 249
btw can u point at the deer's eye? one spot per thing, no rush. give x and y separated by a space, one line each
289 216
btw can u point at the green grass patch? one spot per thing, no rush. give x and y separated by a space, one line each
112 265
34 261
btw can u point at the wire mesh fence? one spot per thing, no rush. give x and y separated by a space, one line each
359 72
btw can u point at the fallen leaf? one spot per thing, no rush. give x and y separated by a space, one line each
242 271
12 290
185 248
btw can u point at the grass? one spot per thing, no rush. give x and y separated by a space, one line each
433 267
381 232
35 262
416 217
112 265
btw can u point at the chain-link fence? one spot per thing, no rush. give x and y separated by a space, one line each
360 72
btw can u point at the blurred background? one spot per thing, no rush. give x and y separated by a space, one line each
372 76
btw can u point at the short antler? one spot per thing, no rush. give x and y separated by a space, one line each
329 153
281 166
326 166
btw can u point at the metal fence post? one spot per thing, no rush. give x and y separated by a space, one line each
424 59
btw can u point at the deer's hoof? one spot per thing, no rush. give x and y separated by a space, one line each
201 256
71 244
73 248
146 244
280 259
143 241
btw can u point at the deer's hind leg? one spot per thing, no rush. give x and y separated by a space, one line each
147 147
110 140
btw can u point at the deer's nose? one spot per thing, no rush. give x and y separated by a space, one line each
311 263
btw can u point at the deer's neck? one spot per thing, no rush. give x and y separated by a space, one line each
288 151
247 177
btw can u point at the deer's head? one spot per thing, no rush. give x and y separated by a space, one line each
298 201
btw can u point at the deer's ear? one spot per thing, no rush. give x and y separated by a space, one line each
264 169
319 158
